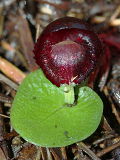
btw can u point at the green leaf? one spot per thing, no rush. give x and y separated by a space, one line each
40 116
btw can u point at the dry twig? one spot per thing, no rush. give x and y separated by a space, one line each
83 147
114 111
4 147
108 149
11 71
8 47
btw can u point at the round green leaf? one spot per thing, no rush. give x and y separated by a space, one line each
39 113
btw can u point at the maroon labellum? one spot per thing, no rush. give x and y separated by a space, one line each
67 51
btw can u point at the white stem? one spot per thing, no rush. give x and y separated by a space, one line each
69 94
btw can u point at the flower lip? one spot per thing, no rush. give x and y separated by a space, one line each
67 53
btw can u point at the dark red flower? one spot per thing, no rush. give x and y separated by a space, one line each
67 51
